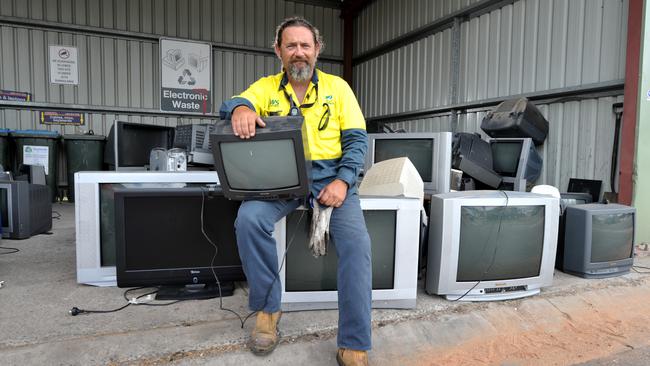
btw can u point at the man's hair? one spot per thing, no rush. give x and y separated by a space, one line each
298 22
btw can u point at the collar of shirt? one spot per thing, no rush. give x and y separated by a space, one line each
285 86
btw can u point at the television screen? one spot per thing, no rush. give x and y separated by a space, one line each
491 245
260 165
505 157
306 273
612 237
419 151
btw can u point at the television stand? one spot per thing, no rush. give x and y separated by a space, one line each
195 291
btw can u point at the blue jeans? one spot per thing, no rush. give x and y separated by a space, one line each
257 248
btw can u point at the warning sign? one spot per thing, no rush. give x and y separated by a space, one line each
63 65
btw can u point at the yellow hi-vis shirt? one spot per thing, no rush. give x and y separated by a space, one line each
337 145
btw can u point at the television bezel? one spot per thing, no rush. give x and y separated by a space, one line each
440 159
444 241
165 276
403 295
578 262
90 270
277 128
519 180
116 131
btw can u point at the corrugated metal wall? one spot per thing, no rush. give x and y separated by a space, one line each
410 78
526 46
384 20
118 54
538 45
116 70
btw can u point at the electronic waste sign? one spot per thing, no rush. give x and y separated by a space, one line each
185 74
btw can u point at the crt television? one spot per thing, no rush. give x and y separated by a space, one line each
430 153
491 245
599 240
159 237
517 161
25 209
309 283
94 209
273 164
129 144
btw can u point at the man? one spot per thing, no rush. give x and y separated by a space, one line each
338 143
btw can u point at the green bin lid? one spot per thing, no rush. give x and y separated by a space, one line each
84 137
4 131
35 133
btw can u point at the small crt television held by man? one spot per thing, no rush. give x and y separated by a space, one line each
598 239
430 153
273 164
491 245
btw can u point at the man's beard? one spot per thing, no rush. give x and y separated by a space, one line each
300 73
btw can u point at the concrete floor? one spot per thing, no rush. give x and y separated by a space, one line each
574 321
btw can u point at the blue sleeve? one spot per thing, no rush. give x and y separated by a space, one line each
225 112
354 143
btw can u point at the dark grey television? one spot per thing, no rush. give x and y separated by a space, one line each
274 164
160 241
26 209
599 240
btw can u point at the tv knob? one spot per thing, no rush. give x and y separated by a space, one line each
195 279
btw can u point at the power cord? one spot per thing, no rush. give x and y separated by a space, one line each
636 269
146 298
216 250
493 253
11 250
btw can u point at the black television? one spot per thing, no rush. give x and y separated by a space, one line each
473 156
26 209
129 144
516 117
593 187
273 164
160 242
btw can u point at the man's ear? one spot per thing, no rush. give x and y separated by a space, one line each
277 51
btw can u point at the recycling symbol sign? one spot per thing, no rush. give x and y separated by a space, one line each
186 78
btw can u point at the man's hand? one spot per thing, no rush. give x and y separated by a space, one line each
244 120
333 194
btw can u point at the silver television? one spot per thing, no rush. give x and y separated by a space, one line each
430 153
491 245
95 241
309 283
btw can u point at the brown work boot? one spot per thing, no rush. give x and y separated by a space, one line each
350 357
266 335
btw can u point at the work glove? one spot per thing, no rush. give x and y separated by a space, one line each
320 230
